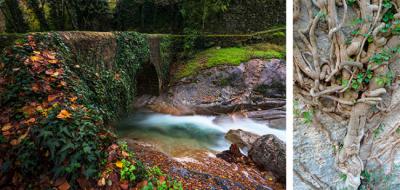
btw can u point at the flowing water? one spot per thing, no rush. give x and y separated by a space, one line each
186 136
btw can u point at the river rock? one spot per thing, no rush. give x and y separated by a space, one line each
233 155
256 84
241 138
269 153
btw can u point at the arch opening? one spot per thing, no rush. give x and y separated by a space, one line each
147 81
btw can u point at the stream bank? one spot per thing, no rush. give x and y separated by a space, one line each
185 125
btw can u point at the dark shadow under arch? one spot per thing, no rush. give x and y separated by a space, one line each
147 81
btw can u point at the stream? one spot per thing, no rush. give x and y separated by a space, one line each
188 136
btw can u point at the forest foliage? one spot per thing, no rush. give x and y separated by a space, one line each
105 15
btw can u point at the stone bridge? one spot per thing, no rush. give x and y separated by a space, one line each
100 50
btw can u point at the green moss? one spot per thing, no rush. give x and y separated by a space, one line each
279 34
229 56
167 55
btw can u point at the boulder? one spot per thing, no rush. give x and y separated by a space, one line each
241 138
269 153
256 84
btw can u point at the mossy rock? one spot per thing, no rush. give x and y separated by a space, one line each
229 56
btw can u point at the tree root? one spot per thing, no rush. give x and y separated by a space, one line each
333 78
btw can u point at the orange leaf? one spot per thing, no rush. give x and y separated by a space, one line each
52 97
63 114
6 127
73 99
63 83
35 87
53 61
14 142
49 55
64 186
74 106
35 58
161 179
124 154
30 121
118 164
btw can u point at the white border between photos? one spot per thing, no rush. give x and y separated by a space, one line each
289 95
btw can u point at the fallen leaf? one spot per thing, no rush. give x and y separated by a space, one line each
14 142
101 182
47 87
49 54
64 114
63 83
118 164
124 185
35 87
53 61
142 184
74 106
35 58
6 127
55 74
28 110
6 133
117 77
39 108
30 121
64 186
114 146
49 72
161 179
124 154
73 99
52 97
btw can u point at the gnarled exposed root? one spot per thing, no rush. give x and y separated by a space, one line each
336 82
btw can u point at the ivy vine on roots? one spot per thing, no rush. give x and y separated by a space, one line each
350 77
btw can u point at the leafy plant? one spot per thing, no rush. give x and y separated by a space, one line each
127 171
322 15
190 39
342 176
307 117
351 2
157 180
378 130
387 4
380 58
366 176
385 80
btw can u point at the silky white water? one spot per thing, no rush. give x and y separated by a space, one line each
183 135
